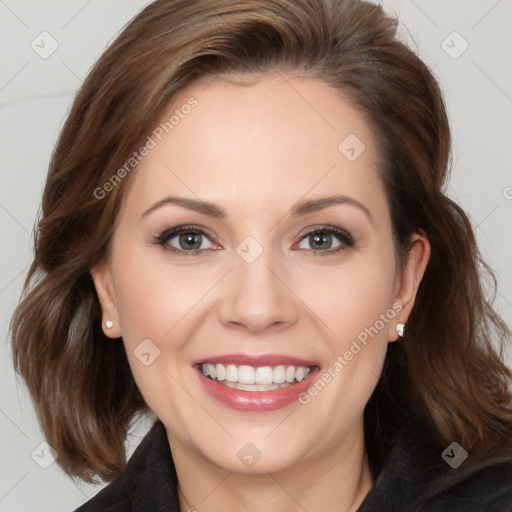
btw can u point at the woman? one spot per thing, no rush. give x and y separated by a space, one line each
334 350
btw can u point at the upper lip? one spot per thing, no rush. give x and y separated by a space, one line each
257 360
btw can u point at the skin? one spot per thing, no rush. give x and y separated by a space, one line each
256 150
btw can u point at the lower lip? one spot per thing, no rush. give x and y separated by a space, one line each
256 401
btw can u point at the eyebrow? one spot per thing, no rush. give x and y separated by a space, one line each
301 208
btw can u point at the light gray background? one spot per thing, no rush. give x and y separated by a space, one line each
35 95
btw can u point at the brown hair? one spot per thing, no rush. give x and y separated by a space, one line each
446 372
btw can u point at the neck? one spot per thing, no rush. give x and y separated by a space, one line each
336 479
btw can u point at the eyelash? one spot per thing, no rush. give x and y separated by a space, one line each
345 238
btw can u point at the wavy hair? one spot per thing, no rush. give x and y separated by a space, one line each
448 373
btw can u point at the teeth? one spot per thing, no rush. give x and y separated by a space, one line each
264 375
301 373
221 372
246 374
279 375
231 373
250 378
212 370
255 387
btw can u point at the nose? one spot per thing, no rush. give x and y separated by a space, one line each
259 296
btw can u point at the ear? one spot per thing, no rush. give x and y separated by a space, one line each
102 277
409 280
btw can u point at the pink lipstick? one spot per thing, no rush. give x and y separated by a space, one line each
256 383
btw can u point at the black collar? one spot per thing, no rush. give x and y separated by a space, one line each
413 478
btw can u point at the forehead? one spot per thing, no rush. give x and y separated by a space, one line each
279 138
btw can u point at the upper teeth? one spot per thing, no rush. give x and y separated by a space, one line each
244 374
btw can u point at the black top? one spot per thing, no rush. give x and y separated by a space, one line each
412 479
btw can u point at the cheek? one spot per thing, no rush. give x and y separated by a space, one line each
356 305
153 301
353 297
153 296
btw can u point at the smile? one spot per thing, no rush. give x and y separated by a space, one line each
250 383
250 378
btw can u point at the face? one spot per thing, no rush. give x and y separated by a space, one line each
269 290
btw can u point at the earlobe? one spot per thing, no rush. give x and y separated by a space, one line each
102 277
410 279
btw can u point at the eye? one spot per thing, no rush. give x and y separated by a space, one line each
189 240
321 240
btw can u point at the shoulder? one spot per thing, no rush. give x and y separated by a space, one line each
416 477
486 487
112 498
148 483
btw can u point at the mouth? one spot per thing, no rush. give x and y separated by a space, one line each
256 383
255 379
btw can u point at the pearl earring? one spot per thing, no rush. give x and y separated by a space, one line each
400 329
109 324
